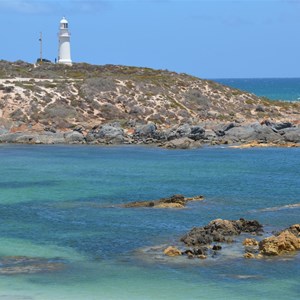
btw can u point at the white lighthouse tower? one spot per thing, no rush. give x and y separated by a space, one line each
64 48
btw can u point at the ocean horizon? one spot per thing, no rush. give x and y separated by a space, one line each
285 89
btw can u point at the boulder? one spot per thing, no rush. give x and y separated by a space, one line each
284 242
221 129
74 137
183 130
266 134
253 132
182 143
177 132
145 131
197 133
51 138
172 251
108 133
241 133
282 125
209 135
11 137
292 135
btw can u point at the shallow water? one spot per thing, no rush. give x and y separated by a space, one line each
60 202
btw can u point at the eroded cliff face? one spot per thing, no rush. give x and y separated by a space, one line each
52 97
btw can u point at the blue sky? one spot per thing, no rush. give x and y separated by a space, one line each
205 38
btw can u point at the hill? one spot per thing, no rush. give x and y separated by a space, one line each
128 104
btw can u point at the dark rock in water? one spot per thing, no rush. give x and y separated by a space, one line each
217 247
175 201
220 231
196 252
13 265
250 226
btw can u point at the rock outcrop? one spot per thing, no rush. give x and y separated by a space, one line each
284 242
220 231
175 201
202 242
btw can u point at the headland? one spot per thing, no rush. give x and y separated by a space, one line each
112 104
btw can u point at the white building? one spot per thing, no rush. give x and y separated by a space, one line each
64 48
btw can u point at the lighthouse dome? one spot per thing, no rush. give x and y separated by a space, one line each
63 21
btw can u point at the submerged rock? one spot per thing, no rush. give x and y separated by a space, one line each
13 265
249 255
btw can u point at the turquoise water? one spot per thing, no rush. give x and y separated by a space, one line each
287 89
61 202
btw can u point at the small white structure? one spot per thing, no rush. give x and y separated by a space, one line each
64 48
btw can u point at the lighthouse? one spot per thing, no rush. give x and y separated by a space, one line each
64 48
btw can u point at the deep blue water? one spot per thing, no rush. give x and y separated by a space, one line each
61 201
287 89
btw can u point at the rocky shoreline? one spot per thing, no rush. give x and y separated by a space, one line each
185 136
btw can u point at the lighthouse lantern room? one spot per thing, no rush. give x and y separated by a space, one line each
64 48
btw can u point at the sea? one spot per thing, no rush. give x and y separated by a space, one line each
65 235
284 89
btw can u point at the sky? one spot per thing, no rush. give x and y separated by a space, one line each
204 38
